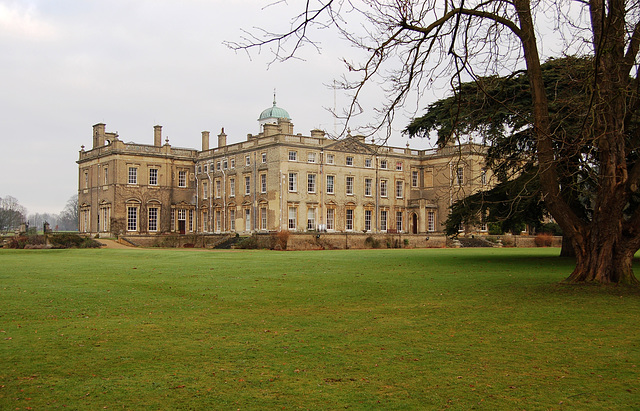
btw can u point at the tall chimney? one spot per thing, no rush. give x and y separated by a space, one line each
222 139
205 140
98 135
157 136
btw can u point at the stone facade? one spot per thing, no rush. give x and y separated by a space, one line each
275 180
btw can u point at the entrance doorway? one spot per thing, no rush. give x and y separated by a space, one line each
414 223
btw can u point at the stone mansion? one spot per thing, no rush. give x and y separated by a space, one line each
275 180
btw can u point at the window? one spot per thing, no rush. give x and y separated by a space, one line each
367 162
293 156
350 185
132 218
331 159
218 188
153 219
311 219
311 157
349 161
133 175
182 220
383 188
200 169
225 163
205 190
218 165
232 187
182 178
292 218
247 219
349 219
399 188
383 164
460 176
153 176
414 179
247 161
383 220
232 219
330 185
263 183
232 162
106 218
205 221
264 158
399 221
206 168
399 166
218 222
431 221
367 220
311 183
367 186
293 182
86 179
106 175
247 185
330 218
263 218
191 220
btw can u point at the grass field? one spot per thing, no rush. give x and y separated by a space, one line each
360 329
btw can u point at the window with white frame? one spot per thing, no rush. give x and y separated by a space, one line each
293 182
383 220
205 221
460 176
225 164
367 162
399 166
367 220
263 183
311 183
293 156
383 164
399 221
132 218
218 188
330 184
311 157
247 219
133 175
293 217
153 218
247 161
182 178
190 220
247 185
199 169
205 189
349 185
264 158
263 218
331 214
331 159
399 189
206 168
383 188
232 187
368 183
106 218
348 219
232 219
86 179
218 220
431 221
218 165
311 218
414 178
106 175
349 161
232 162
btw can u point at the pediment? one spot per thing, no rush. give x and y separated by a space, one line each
351 144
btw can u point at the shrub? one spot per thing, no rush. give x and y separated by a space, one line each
17 242
495 228
282 239
69 240
544 240
372 242
248 243
406 242
551 228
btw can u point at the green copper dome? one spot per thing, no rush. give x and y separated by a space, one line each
274 112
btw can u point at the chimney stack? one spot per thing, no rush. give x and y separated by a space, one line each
157 136
222 139
98 135
205 140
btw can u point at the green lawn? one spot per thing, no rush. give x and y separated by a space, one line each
360 329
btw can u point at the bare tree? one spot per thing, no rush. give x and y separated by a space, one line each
68 219
12 214
408 43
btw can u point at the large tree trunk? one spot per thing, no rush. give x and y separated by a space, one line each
604 261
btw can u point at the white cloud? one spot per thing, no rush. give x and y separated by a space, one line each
24 22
